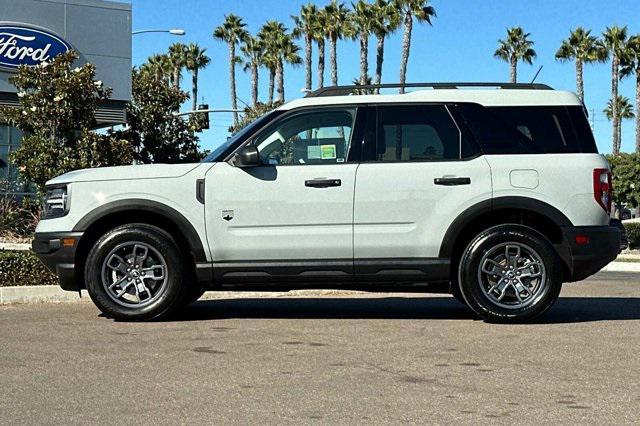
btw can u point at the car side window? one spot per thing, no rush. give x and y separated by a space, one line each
321 137
417 133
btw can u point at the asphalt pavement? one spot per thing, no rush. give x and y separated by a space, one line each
338 358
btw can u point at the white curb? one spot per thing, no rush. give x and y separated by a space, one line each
15 246
45 293
622 267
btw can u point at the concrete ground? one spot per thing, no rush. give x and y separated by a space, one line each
373 358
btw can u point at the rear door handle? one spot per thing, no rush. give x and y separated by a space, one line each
452 181
322 183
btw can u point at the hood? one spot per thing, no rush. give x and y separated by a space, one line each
145 171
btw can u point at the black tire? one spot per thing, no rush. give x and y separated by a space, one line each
456 293
492 241
173 290
625 216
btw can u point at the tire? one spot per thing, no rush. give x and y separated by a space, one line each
456 293
529 284
625 216
124 248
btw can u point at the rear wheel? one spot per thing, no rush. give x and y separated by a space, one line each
510 274
134 272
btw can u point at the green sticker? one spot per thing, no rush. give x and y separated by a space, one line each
328 152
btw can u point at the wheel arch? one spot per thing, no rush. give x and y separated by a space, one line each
121 212
536 214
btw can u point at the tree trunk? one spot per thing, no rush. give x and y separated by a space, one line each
406 47
232 79
272 78
194 88
308 52
579 80
254 83
176 77
364 60
321 52
333 59
379 61
614 104
514 70
280 81
638 110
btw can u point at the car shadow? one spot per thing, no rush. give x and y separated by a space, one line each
566 310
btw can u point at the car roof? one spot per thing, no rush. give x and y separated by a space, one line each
486 97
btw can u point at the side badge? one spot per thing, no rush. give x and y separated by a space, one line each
227 215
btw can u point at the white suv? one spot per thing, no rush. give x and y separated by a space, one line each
498 193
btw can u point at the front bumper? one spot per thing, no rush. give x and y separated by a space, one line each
54 250
603 245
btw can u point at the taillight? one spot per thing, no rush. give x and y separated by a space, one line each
602 188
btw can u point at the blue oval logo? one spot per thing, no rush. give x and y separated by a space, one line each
23 45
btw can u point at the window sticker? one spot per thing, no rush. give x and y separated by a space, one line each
314 152
328 152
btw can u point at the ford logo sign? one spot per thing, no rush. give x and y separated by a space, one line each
24 45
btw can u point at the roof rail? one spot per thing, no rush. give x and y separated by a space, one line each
349 90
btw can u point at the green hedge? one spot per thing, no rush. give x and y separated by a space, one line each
633 232
22 268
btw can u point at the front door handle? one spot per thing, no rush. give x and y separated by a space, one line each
452 181
322 183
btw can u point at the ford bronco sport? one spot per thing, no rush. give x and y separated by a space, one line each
495 190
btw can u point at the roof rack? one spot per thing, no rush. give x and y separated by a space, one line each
349 90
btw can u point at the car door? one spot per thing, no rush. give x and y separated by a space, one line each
418 174
293 215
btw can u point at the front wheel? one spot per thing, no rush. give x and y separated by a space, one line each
134 272
510 274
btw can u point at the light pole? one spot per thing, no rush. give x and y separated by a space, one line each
175 32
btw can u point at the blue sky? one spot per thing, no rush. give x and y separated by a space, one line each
458 47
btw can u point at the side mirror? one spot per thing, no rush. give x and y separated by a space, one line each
248 157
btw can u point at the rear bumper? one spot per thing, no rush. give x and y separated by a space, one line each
603 245
59 258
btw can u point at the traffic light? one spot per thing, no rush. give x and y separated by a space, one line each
203 119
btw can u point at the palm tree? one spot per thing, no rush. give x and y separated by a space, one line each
516 47
615 40
232 31
625 112
253 50
196 59
386 20
177 55
358 82
409 9
319 35
582 47
305 27
269 34
280 49
289 54
631 65
362 19
337 26
160 66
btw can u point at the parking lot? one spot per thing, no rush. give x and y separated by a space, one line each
336 358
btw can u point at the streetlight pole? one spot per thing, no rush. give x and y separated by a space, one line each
175 31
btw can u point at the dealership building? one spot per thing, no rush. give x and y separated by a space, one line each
34 31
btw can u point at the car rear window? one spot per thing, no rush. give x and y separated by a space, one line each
529 129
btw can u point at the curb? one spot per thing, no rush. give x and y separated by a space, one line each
15 246
53 293
622 267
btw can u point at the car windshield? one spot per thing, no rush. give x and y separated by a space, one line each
221 152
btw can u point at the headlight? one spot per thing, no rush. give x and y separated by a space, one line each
56 203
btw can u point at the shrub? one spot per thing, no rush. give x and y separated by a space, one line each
22 268
633 232
18 219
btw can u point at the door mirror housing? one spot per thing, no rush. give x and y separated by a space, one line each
248 157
